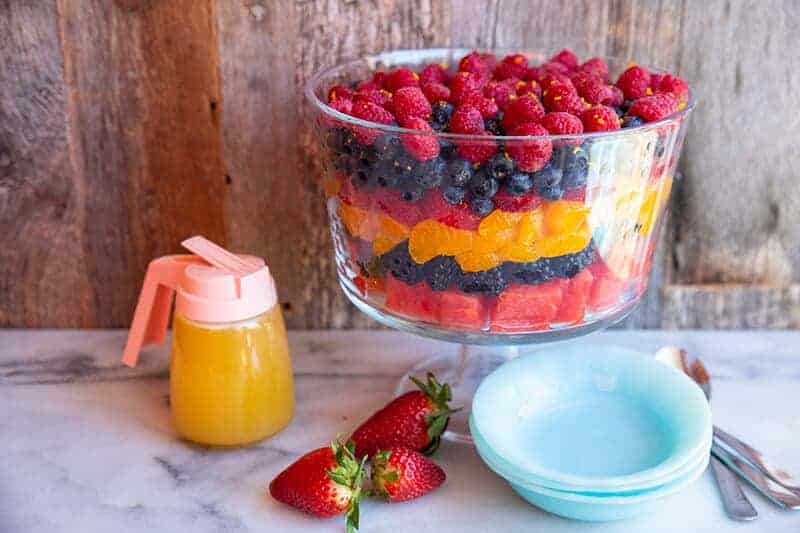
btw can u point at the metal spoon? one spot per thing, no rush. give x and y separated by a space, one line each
738 456
734 500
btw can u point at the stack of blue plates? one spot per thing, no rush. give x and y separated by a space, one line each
592 433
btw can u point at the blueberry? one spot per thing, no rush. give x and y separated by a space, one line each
568 266
492 125
574 165
430 173
500 167
531 273
483 186
412 194
490 282
551 192
626 105
440 115
362 179
384 175
548 177
440 272
404 167
344 163
447 149
632 122
342 140
399 262
618 111
454 195
481 206
459 172
387 146
519 183
365 157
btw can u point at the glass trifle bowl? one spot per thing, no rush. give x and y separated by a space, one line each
491 241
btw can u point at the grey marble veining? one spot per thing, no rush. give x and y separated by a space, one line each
87 445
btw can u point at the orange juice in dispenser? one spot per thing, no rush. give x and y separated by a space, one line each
230 372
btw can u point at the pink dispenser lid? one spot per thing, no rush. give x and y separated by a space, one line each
213 285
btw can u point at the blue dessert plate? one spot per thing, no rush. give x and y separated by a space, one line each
594 419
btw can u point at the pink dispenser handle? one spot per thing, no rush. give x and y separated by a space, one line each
151 318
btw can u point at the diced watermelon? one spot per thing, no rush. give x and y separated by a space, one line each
415 301
505 201
462 310
457 216
607 289
390 202
527 307
576 295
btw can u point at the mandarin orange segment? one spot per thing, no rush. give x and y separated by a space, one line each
499 224
474 261
331 186
566 243
359 222
530 230
430 238
390 234
563 216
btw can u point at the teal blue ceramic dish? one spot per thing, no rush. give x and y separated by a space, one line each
594 419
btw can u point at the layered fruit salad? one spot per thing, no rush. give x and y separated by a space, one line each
495 194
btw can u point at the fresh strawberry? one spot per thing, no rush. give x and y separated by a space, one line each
410 102
530 155
325 482
414 420
512 66
600 118
433 73
526 108
402 77
400 474
421 147
634 82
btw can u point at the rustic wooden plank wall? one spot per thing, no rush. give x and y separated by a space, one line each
128 125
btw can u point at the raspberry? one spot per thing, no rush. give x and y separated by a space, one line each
432 74
600 118
367 85
655 79
410 102
675 85
595 66
654 107
343 105
421 147
500 92
380 77
615 97
380 97
534 73
435 91
634 82
555 66
551 78
528 87
562 97
567 58
512 66
339 91
590 87
560 123
476 63
371 113
402 77
477 152
466 119
487 107
530 155
526 108
465 84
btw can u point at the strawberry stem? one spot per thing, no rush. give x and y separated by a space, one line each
440 395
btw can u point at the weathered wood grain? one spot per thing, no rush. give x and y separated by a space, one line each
127 125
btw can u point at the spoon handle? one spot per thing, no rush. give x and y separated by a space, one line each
755 458
776 493
734 500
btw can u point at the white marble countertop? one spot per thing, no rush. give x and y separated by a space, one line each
86 445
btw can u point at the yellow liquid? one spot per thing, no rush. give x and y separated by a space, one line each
231 384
